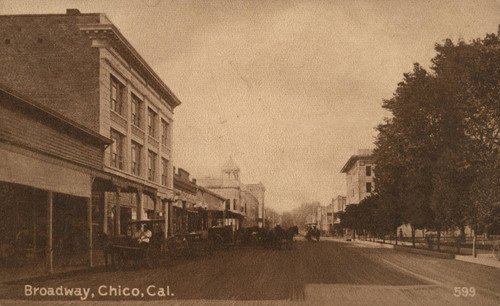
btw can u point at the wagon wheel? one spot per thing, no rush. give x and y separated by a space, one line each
148 258
218 242
173 248
210 247
155 255
496 249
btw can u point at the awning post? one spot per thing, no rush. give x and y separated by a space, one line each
89 218
50 255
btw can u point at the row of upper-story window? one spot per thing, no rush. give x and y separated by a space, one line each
235 205
368 188
368 172
137 111
117 152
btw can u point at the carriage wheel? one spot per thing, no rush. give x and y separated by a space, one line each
217 242
148 258
210 248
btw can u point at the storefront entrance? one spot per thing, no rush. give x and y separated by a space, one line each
24 230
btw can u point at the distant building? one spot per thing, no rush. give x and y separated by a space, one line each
338 205
359 176
245 203
272 218
322 218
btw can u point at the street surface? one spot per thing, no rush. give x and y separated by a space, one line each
326 272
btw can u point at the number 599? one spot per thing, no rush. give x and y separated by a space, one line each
464 291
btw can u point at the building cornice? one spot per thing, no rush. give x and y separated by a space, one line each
353 159
110 33
207 191
182 185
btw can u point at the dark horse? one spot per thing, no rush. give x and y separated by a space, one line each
107 248
312 233
285 237
288 236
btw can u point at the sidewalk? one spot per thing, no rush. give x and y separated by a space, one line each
486 259
360 243
481 259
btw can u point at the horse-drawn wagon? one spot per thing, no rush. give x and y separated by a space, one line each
312 232
143 243
221 236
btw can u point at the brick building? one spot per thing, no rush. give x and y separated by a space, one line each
81 66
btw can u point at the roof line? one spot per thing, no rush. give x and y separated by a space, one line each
122 40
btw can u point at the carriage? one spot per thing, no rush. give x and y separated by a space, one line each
312 232
127 247
222 237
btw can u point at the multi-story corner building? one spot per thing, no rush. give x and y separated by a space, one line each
359 176
81 66
244 204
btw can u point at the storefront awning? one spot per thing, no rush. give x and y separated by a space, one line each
24 170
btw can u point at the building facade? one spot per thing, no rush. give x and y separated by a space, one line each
338 205
359 176
81 66
49 167
244 203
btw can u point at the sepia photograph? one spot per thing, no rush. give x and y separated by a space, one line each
249 152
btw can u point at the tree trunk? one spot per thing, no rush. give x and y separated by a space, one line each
474 241
413 236
396 238
462 234
439 239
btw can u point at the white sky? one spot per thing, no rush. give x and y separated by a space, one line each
290 89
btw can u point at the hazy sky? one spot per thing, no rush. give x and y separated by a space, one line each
290 89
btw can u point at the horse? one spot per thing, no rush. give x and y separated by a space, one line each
288 236
312 233
107 248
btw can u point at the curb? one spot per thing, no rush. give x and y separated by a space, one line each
442 255
480 261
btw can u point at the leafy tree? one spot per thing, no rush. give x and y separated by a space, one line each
438 160
367 208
